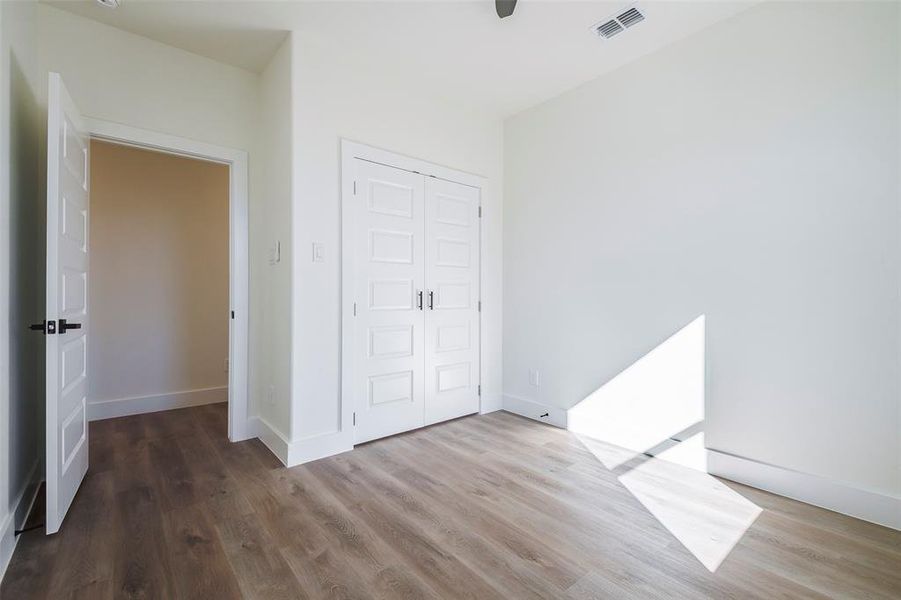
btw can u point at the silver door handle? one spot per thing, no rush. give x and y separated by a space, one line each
420 299
431 300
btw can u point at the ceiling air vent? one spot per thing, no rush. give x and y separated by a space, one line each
630 17
609 28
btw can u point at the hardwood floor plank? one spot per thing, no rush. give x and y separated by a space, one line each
374 561
86 548
260 569
327 575
34 560
173 477
533 550
213 483
199 563
449 576
492 506
478 553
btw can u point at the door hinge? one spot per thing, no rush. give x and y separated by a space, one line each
355 419
480 306
355 309
480 390
355 188
233 314
480 212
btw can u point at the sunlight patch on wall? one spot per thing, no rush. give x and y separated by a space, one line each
656 399
647 426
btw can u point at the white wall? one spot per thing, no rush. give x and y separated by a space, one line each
118 76
270 296
749 173
122 77
22 222
335 97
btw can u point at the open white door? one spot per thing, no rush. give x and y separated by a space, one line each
66 322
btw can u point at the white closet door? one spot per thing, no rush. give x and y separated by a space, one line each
452 310
390 271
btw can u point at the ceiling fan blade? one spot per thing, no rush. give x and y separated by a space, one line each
504 7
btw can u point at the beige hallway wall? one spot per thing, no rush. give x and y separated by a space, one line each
159 274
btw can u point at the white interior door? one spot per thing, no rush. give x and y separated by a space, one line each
389 280
452 315
67 309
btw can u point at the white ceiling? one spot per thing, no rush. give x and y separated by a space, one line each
458 47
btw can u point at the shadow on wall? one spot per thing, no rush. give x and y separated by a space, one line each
27 250
647 426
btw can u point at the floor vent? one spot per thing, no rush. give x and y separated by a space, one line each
609 28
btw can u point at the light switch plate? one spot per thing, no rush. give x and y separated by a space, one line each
318 252
275 253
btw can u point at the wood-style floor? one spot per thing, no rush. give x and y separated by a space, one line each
483 507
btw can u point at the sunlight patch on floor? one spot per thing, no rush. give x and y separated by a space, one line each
647 426
705 515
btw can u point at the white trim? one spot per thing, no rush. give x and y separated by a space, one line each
19 511
272 438
298 452
841 497
137 405
534 410
320 446
238 426
491 402
342 440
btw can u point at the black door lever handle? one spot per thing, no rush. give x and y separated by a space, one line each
45 327
64 326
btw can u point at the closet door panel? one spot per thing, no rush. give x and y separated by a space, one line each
389 324
452 311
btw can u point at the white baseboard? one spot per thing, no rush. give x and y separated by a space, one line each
297 452
19 511
320 446
879 508
272 438
535 410
123 407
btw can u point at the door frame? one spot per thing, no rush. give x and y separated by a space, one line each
351 151
238 248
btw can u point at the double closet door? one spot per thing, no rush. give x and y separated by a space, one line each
416 327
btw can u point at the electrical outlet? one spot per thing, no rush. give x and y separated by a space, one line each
534 377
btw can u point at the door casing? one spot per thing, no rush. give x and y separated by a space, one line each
238 419
351 151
